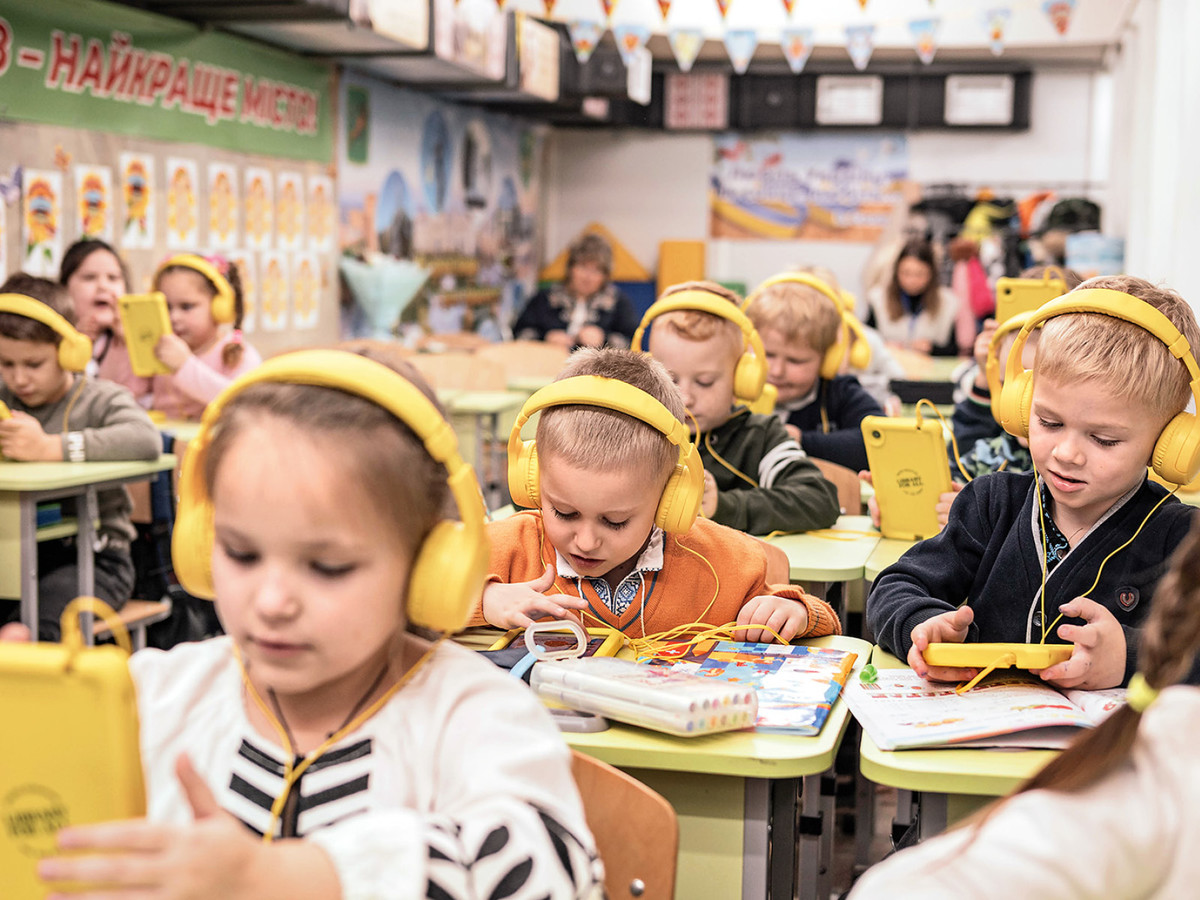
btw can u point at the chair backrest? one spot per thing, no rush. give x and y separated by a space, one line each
636 831
458 371
849 488
526 359
779 567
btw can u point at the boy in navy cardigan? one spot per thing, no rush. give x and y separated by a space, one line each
1072 552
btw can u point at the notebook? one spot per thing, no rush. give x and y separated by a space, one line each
144 319
69 754
910 470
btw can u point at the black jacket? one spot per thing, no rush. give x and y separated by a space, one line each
846 403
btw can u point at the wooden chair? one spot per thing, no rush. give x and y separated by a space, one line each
137 615
849 488
526 359
636 830
779 568
458 371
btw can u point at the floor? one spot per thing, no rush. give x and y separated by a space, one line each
844 871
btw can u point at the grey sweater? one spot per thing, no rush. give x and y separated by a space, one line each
114 428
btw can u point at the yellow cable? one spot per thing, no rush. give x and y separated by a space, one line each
947 428
708 444
1006 659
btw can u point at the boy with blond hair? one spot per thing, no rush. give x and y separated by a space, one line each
594 549
800 319
1071 552
757 478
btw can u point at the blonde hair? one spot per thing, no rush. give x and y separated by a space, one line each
799 312
698 325
382 453
1134 364
594 437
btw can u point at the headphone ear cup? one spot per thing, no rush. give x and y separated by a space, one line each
1016 398
192 535
680 501
749 377
75 352
1176 456
860 353
223 311
832 360
447 578
523 476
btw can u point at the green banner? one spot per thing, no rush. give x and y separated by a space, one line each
101 66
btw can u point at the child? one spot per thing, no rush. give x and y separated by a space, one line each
1083 537
615 484
433 774
202 295
60 414
1114 816
96 278
801 320
756 477
911 309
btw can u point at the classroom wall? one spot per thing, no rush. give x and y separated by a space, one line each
652 186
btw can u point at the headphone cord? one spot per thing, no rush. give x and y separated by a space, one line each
953 440
79 382
717 456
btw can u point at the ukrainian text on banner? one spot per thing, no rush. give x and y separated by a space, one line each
835 187
110 68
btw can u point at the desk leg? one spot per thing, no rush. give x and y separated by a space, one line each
86 549
29 563
756 838
785 802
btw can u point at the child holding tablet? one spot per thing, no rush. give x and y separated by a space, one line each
373 761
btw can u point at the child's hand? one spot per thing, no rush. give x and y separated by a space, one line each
872 504
559 338
22 437
214 857
590 336
946 628
1098 660
16 632
944 501
793 432
708 502
172 351
517 605
982 340
782 615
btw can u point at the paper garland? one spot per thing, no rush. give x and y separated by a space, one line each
685 44
740 44
664 7
860 44
924 32
797 47
723 7
630 39
585 35
996 20
1059 12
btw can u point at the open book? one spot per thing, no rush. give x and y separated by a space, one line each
796 685
901 711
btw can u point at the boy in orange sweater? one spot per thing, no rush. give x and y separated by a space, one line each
612 537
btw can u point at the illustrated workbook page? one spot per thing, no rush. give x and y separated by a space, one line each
901 710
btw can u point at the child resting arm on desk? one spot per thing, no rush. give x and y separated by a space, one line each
1082 541
614 538
312 506
1116 815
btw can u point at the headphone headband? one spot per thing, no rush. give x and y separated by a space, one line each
75 350
803 278
993 366
224 303
701 301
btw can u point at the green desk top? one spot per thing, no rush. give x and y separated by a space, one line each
42 476
483 402
989 773
180 429
886 552
739 753
821 556
527 384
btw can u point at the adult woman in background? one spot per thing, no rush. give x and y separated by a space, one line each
911 309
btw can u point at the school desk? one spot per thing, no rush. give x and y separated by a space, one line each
886 552
839 555
949 784
23 485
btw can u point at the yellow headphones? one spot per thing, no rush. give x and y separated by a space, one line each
1176 456
680 501
449 568
224 302
850 338
750 373
75 348
992 369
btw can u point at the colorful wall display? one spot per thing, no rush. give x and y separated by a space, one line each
805 187
451 190
260 208
64 62
94 202
224 204
139 200
42 219
183 204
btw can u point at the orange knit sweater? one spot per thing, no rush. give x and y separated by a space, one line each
709 563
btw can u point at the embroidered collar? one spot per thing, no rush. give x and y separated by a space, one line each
620 599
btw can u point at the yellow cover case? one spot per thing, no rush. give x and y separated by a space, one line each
5 412
145 319
1000 656
1018 295
909 469
69 754
601 641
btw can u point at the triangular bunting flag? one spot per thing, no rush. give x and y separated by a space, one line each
1059 12
630 39
862 4
664 7
685 44
796 44
585 35
860 44
723 6
609 6
500 4
740 44
789 5
924 32
549 6
997 20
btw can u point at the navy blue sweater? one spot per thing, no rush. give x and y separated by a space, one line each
846 404
989 555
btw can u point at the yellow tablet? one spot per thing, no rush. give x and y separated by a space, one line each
1018 295
69 754
1000 656
909 470
145 319
5 412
